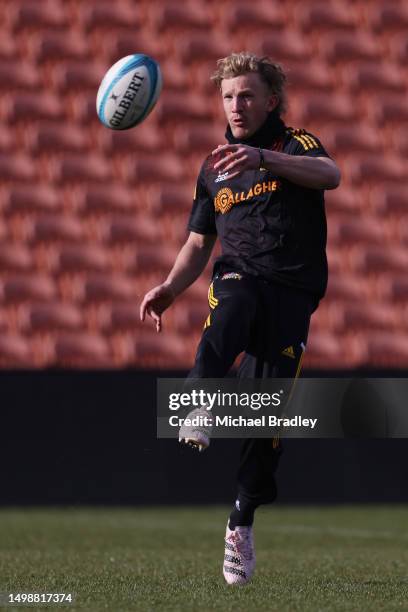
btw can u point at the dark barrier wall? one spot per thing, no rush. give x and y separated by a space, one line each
90 438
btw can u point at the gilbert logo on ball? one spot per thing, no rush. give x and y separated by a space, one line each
128 92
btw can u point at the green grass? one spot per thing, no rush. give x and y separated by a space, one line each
162 560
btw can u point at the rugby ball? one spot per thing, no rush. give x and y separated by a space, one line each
128 91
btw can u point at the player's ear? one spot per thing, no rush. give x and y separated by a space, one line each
272 103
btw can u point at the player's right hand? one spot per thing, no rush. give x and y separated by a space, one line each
155 303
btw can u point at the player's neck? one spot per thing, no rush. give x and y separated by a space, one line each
270 130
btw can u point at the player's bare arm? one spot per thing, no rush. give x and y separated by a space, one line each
189 264
313 172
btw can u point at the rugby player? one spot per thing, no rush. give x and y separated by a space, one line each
262 195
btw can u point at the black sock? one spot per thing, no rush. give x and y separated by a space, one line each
242 514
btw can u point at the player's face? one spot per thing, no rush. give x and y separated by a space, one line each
247 103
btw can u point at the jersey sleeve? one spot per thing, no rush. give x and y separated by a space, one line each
305 143
202 217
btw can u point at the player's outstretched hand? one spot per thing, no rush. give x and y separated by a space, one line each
155 303
235 159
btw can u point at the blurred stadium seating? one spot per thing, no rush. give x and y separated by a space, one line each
91 219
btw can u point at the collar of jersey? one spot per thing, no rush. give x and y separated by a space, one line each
269 131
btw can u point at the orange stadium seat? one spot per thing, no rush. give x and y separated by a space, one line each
390 200
19 75
8 140
399 288
9 49
344 229
387 16
203 138
110 287
51 316
174 224
4 323
375 258
18 167
81 349
347 288
374 169
48 137
148 257
83 208
120 44
190 315
200 47
165 167
15 351
347 138
79 76
31 197
184 16
51 46
33 106
146 137
374 76
389 109
15 257
326 15
130 228
73 168
293 46
320 78
155 348
82 107
175 76
386 348
109 197
124 316
173 105
339 259
84 257
260 15
326 108
108 15
170 197
341 46
57 227
400 140
399 48
344 199
330 349
29 287
30 13
4 229
374 315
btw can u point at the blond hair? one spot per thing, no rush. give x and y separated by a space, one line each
272 74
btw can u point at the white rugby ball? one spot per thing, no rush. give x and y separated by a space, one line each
128 91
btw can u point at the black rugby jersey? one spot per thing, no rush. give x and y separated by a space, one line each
268 226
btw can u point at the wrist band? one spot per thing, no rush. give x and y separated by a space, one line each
261 159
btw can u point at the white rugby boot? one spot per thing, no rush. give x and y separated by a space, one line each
239 556
198 433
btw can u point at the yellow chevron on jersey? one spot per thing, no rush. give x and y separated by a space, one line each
212 300
307 140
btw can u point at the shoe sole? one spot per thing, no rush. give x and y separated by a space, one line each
193 443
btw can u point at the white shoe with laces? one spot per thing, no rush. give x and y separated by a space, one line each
196 429
239 556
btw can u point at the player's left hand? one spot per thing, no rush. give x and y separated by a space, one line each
236 158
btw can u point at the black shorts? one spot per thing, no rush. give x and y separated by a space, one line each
268 322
